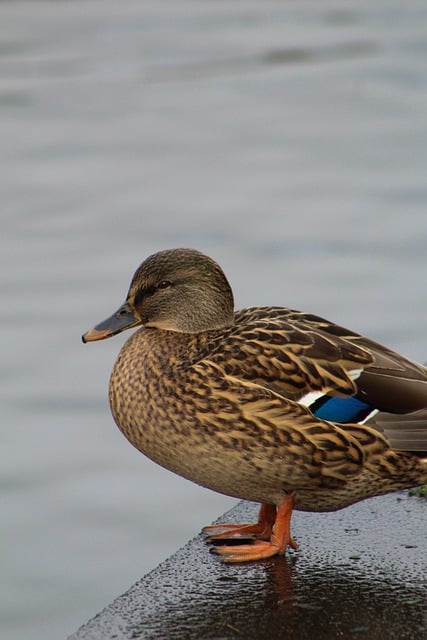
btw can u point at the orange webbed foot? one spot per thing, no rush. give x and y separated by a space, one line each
260 530
275 544
258 550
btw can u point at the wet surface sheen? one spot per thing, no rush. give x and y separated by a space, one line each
346 581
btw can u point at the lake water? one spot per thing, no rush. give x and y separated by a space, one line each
286 140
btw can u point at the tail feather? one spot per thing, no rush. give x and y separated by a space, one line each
405 432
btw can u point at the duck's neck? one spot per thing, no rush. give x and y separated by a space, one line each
161 350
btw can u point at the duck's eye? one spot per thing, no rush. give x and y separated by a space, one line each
164 284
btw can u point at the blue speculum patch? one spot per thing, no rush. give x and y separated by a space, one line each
340 409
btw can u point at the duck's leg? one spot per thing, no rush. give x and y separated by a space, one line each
260 549
261 529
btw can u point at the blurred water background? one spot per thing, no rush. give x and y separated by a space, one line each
285 139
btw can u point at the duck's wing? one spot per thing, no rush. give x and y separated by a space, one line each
293 356
340 375
391 382
280 437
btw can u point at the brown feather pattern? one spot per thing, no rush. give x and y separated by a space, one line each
219 404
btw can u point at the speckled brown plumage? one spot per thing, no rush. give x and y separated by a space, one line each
217 396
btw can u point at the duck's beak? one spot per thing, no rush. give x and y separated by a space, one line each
124 318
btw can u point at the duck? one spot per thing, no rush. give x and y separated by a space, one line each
266 404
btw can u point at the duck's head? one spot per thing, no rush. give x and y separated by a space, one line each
175 290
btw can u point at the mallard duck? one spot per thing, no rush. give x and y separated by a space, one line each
267 404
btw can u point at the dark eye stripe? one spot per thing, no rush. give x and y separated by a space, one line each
142 294
149 291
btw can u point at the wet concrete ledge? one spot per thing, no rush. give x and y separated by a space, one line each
359 573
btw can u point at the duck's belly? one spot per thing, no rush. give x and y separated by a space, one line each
228 472
173 434
223 471
218 469
365 485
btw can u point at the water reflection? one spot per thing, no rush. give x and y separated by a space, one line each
301 596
